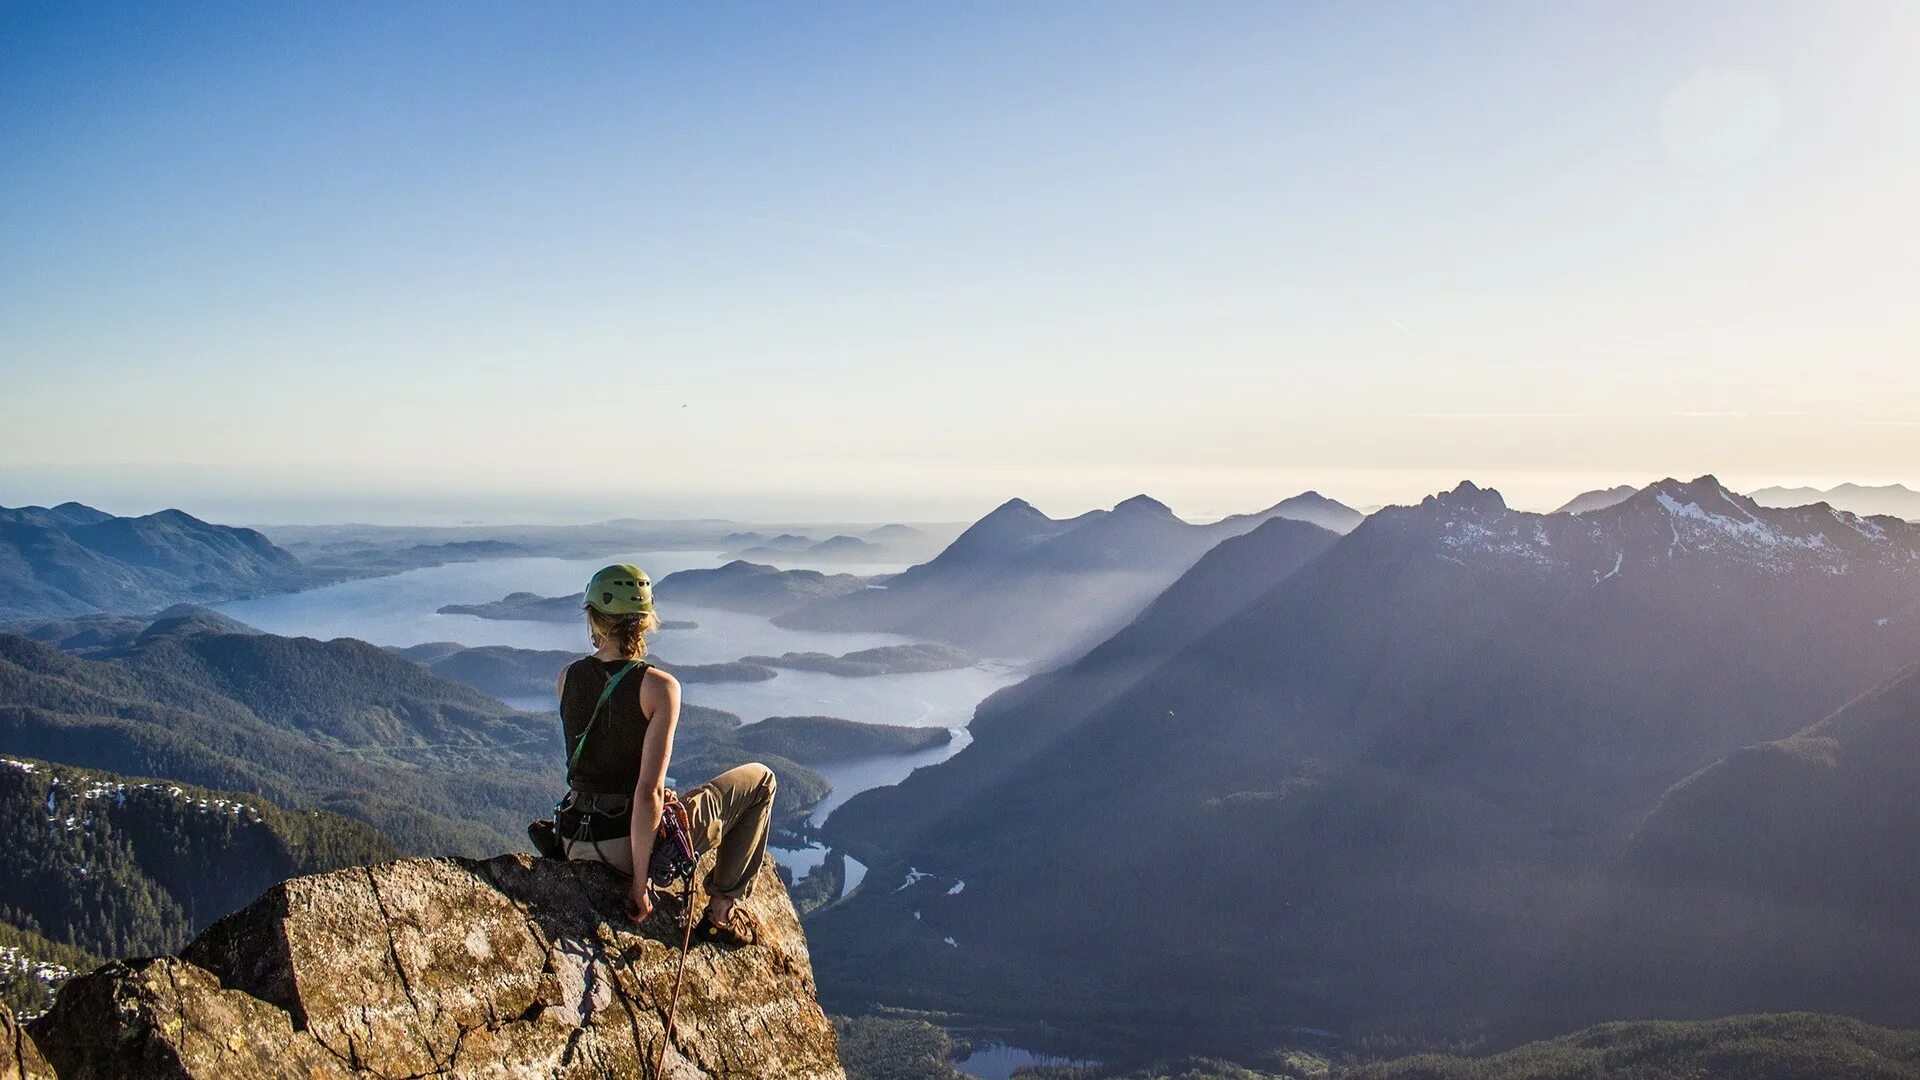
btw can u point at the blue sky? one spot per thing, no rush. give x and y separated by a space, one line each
906 260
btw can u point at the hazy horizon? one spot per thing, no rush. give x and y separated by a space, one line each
254 502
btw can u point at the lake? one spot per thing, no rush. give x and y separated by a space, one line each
401 609
996 1061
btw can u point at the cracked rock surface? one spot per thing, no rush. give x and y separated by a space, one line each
19 1059
511 967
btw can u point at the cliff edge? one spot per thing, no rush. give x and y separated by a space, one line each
508 967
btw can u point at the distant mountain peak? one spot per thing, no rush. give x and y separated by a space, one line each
1470 496
1873 489
174 514
1313 508
1598 499
1704 483
1891 500
1308 500
1012 511
736 566
1706 494
1143 504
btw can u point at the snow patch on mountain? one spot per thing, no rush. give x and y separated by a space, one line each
1505 539
1664 523
1749 529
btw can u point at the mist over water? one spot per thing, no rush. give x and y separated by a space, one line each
401 610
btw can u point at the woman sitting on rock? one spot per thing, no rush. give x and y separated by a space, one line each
619 713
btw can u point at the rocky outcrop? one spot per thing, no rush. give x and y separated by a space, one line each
19 1058
511 967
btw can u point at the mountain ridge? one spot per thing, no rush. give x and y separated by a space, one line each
1895 500
1017 583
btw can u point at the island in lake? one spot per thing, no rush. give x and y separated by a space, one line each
883 660
755 587
532 607
811 740
508 672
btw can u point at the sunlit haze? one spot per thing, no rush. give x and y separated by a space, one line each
511 262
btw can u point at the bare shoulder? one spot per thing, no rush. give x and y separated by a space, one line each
660 680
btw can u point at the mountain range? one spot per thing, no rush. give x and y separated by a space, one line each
1892 500
1018 583
1382 781
837 548
1895 500
72 559
887 543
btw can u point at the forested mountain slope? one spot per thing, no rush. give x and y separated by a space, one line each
107 714
124 866
73 559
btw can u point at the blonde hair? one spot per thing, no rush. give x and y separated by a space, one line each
626 634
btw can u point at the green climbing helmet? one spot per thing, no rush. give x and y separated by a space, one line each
620 589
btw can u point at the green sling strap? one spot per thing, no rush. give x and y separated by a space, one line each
599 707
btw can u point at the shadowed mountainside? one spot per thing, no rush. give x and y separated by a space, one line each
1014 725
1796 861
1434 736
1788 1046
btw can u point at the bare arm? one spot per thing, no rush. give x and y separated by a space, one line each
660 701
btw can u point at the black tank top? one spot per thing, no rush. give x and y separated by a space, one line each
610 764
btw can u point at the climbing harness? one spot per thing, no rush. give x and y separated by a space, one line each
583 807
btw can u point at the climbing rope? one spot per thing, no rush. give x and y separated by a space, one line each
680 972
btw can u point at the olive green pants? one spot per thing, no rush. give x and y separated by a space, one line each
730 814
